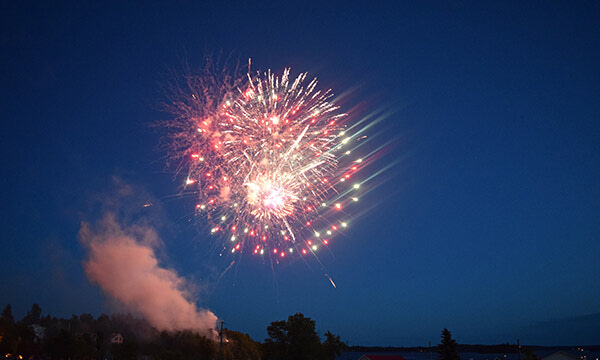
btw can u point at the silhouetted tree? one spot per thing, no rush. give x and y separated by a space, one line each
276 347
33 316
447 348
7 314
239 346
16 338
85 338
182 345
85 323
529 354
8 331
60 346
128 350
332 346
294 339
84 347
25 344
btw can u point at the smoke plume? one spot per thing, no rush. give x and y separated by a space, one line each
122 261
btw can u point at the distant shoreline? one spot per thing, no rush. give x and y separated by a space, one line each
465 348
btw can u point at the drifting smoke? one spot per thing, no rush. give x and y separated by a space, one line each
122 261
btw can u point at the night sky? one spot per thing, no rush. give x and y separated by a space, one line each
487 222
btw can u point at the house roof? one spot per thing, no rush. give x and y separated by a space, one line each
560 355
381 357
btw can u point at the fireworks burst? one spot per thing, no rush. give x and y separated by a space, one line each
268 159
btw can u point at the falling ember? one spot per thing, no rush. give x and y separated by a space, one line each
263 154
331 281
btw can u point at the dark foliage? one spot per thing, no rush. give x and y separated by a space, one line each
33 316
182 345
448 349
7 314
297 339
84 337
240 346
529 354
332 346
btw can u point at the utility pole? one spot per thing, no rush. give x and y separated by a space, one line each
519 349
221 341
430 350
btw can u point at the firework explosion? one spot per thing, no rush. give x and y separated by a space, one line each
267 158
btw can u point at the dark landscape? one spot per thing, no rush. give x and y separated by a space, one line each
126 337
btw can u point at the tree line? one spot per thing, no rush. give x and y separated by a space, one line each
85 337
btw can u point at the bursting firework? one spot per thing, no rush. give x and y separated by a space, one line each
268 159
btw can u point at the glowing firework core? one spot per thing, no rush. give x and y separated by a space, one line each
269 200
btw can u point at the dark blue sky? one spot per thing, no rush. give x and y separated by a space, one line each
488 224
